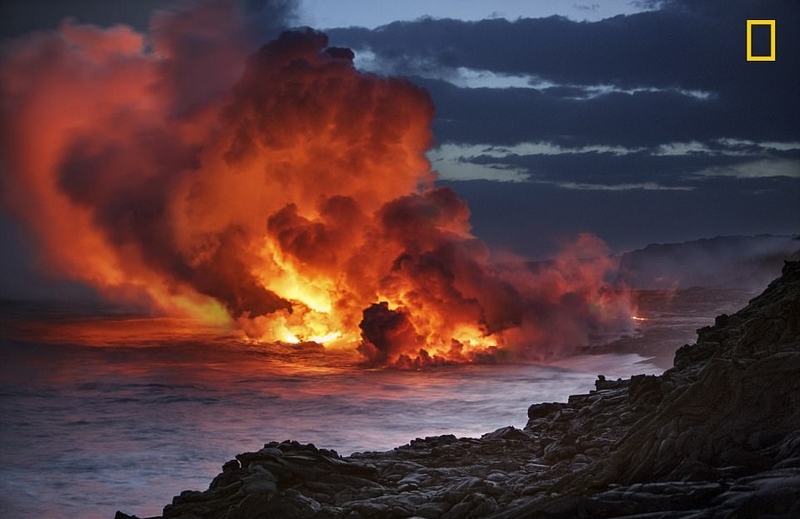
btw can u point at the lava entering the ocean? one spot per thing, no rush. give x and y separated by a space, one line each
285 191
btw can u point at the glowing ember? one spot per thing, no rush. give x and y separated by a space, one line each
295 201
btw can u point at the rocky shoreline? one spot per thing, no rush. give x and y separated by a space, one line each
716 436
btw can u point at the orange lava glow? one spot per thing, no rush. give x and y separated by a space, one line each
289 195
116 331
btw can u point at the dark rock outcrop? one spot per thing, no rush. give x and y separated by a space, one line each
716 436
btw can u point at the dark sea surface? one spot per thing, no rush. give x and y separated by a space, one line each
107 412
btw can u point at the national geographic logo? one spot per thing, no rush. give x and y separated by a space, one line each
760 41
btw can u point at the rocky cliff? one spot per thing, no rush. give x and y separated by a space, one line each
716 436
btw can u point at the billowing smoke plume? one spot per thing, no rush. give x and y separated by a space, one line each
283 189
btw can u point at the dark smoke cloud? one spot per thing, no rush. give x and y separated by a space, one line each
284 187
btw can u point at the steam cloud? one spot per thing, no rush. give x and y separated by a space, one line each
284 187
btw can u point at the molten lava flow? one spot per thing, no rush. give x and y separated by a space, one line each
295 200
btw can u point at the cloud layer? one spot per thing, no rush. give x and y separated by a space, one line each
662 100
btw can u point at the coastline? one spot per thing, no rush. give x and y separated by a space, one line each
716 435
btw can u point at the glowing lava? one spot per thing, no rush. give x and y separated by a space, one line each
294 197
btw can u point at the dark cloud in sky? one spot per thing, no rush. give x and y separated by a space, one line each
668 49
662 129
21 17
693 48
18 17
512 115
530 218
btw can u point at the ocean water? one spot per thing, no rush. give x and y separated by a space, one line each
100 413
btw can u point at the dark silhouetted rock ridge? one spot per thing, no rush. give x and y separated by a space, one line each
747 262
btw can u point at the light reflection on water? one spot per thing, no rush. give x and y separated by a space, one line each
127 414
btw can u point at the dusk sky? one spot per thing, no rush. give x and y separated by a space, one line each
637 121
645 127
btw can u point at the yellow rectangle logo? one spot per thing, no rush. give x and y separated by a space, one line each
771 55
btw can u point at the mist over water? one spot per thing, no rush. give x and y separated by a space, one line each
122 412
92 428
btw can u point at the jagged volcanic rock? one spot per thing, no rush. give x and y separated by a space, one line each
716 436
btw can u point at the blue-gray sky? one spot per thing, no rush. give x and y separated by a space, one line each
639 121
646 126
326 14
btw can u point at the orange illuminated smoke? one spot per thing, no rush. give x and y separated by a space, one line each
285 191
